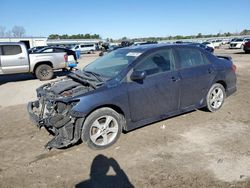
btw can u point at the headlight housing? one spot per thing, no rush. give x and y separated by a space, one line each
63 107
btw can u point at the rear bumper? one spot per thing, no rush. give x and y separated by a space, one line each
231 91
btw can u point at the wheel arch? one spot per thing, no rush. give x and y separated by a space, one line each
115 108
223 83
42 63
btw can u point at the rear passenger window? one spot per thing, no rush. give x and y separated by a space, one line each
191 58
11 49
160 61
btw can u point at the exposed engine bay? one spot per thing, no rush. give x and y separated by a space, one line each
52 110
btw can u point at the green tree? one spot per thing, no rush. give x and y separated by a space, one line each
245 32
199 35
54 36
124 38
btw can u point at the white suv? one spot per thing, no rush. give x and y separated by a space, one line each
238 43
85 48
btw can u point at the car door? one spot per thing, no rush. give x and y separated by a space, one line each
158 93
14 59
197 74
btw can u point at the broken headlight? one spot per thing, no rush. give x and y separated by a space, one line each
63 108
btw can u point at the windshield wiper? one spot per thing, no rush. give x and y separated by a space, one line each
96 75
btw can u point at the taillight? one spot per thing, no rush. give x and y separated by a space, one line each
234 67
66 58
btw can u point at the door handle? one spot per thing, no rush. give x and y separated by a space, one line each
21 58
175 79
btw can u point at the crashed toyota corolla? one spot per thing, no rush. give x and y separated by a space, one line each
129 88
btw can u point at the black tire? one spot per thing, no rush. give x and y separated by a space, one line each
219 100
88 128
44 72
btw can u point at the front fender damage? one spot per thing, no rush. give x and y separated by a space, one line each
65 128
54 109
66 133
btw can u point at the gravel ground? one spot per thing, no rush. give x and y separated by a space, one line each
197 149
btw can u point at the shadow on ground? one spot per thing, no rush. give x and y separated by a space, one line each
239 53
99 178
23 77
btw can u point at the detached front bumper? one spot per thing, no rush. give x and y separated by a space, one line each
33 117
65 129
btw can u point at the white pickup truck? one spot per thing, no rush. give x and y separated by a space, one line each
14 58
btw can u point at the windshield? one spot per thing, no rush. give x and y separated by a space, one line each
112 63
238 40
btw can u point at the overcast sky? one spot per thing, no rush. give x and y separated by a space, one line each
131 18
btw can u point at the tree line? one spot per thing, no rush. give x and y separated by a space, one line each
77 36
19 31
180 37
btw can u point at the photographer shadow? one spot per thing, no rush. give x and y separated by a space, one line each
99 178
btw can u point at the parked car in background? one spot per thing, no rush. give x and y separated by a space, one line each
209 44
51 49
238 43
85 48
34 49
14 58
110 48
246 47
129 88
204 47
126 43
216 43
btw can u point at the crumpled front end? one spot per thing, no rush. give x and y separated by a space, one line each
65 128
53 111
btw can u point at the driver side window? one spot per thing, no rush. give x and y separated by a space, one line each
157 62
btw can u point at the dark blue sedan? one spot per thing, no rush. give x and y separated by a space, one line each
129 88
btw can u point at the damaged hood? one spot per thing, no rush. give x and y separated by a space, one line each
74 84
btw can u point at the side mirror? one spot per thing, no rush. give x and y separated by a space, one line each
138 75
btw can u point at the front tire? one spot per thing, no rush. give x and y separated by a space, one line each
102 128
44 72
215 97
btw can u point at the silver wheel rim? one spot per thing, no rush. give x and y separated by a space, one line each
216 98
104 130
44 72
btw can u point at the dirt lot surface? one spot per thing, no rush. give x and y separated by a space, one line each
197 149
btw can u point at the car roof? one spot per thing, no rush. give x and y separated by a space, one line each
148 47
55 47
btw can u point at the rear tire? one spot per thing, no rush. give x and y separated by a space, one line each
215 97
44 72
102 128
